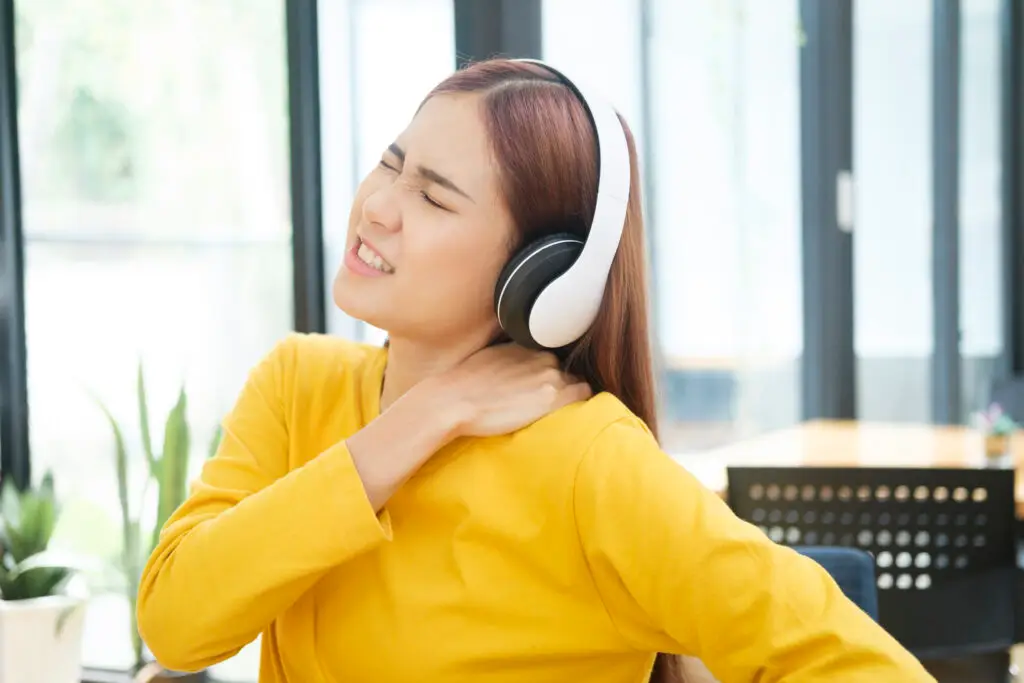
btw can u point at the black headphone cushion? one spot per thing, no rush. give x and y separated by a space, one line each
526 275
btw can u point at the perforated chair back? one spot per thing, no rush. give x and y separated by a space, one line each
942 542
853 571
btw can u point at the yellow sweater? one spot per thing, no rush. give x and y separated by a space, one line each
570 551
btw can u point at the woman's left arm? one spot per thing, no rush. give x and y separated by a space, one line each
680 573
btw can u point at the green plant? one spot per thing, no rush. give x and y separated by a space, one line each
168 470
27 521
995 422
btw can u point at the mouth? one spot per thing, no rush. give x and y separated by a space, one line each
369 256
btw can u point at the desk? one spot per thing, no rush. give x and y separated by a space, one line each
829 443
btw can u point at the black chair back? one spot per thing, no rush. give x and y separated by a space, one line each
942 541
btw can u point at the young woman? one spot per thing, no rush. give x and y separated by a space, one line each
455 508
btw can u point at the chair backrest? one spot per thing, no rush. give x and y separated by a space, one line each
852 569
942 542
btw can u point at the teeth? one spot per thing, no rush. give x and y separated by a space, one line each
372 259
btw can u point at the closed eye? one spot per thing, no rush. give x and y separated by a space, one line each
429 200
383 163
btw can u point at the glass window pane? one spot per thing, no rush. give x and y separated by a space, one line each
154 142
601 48
980 213
378 59
726 215
893 245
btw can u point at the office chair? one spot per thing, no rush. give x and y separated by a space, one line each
942 542
852 569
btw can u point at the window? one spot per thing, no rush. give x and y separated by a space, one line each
370 88
157 227
601 48
724 152
893 244
980 215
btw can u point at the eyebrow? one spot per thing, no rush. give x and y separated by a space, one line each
429 173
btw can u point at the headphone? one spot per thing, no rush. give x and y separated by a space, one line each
548 295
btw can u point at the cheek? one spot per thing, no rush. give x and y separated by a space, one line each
465 261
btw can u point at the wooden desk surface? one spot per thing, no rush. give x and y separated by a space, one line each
827 443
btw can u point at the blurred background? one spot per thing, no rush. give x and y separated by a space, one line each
835 206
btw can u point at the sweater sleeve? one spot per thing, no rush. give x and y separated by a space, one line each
680 573
252 536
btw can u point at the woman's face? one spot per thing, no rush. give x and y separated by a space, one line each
429 231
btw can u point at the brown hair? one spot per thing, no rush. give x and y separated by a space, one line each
545 150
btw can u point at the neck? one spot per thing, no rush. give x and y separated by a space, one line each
412 361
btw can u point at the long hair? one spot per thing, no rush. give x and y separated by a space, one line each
545 152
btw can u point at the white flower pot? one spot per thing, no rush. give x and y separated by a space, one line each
41 640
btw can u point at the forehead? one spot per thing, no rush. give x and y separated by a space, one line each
449 136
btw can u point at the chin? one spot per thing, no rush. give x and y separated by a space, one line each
363 303
357 307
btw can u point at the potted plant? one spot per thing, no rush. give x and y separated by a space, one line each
167 469
40 624
998 429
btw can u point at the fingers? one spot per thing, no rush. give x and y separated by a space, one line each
537 359
548 398
554 377
525 367
536 366
580 391
574 393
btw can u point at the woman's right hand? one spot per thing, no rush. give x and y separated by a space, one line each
495 391
502 388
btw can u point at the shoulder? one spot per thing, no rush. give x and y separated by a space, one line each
615 450
301 363
600 419
302 354
603 422
323 349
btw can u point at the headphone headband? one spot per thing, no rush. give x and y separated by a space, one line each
566 308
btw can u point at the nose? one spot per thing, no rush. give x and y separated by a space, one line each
381 208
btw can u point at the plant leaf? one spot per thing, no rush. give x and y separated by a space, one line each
38 576
10 504
18 547
218 434
147 441
62 619
29 521
37 582
46 488
133 574
121 466
55 559
173 469
7 563
132 559
42 508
